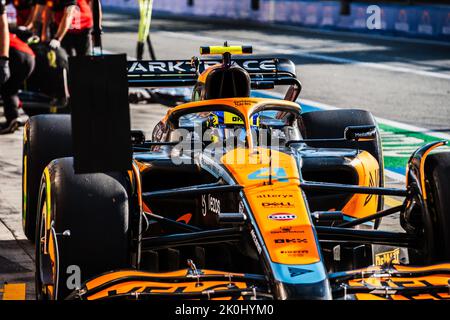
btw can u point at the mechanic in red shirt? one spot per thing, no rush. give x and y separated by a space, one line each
16 64
26 13
74 22
24 9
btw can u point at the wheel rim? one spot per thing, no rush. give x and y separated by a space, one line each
428 229
46 252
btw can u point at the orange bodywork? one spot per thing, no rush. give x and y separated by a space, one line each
279 208
165 284
387 284
283 197
362 205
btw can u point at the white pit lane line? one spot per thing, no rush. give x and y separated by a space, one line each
305 54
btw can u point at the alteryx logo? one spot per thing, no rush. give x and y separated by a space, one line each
264 174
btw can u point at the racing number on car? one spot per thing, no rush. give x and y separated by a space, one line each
264 173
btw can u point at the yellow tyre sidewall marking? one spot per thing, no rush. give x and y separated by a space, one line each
25 195
49 245
24 177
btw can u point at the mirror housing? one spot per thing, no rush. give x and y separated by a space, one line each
360 133
137 137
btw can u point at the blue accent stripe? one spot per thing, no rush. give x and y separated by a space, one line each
305 108
299 274
368 223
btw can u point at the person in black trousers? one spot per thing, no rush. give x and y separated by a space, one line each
16 64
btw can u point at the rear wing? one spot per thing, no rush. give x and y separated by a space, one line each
264 73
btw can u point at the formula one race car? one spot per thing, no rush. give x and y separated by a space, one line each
234 197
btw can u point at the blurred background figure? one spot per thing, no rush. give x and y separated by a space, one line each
24 12
66 23
16 64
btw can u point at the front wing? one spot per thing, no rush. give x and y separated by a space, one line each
393 282
388 282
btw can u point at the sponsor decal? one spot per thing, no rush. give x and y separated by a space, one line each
392 256
255 65
213 204
291 240
185 66
282 216
210 204
276 204
295 253
286 230
255 240
241 103
160 67
241 207
232 119
295 272
274 196
169 288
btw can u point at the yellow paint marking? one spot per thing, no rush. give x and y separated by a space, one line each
14 291
392 202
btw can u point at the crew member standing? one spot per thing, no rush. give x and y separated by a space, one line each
16 64
74 22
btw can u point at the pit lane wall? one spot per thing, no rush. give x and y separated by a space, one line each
419 21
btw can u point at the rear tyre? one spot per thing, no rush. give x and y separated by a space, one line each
330 124
46 137
82 230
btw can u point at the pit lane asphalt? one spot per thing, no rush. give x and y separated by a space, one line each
412 86
397 80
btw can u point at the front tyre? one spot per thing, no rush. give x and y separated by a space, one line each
437 179
82 230
46 137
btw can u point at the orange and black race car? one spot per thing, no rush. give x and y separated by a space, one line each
234 197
